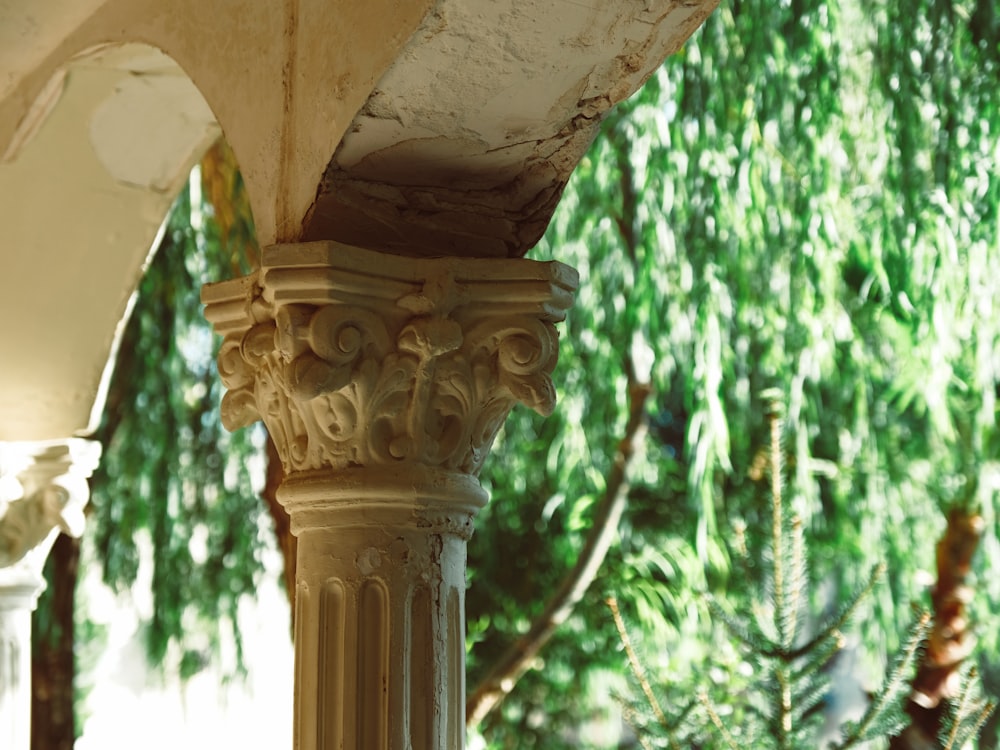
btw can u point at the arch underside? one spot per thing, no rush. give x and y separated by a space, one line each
443 127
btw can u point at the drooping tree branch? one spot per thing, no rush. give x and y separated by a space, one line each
515 661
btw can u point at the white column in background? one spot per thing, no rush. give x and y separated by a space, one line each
43 489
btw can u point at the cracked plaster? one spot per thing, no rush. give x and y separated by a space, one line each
467 141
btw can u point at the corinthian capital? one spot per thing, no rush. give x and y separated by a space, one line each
43 489
356 358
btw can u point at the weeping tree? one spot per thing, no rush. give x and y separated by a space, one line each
802 199
170 475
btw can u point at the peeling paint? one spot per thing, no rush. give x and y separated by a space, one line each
147 125
469 139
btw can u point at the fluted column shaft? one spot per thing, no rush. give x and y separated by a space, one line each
17 601
383 381
43 489
380 609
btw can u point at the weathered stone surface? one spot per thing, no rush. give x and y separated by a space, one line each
43 490
105 105
356 358
383 381
467 141
84 188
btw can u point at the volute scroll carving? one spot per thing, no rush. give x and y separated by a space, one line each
44 489
354 358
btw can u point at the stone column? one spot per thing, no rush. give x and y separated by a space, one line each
383 381
43 489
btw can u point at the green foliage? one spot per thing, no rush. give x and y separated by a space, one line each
884 716
804 197
965 716
781 706
174 490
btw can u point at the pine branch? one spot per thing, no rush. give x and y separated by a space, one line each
838 623
984 712
877 710
633 718
748 632
515 661
950 640
635 665
782 619
965 716
809 698
717 721
797 579
783 719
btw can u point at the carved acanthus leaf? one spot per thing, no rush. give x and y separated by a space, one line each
355 358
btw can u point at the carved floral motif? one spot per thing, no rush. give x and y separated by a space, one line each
356 358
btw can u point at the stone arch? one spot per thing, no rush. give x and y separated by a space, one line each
87 178
284 79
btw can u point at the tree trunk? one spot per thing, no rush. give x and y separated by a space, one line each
951 640
515 661
53 668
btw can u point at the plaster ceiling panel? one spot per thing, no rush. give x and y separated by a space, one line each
468 139
81 204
